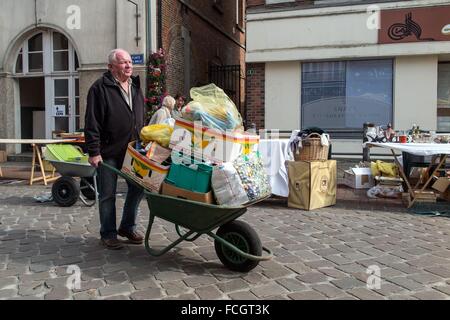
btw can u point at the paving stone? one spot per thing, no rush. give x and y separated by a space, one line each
175 288
208 293
292 284
430 295
268 290
328 290
425 278
443 288
115 290
59 293
313 277
233 285
170 276
440 271
406 283
116 278
242 295
147 294
299 268
365 294
348 283
9 281
307 295
197 281
90 285
8 293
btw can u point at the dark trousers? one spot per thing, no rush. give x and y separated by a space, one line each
107 202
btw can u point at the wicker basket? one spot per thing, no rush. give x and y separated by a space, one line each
312 149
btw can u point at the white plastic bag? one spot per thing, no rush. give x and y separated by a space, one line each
227 186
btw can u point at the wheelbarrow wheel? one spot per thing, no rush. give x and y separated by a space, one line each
85 187
65 191
243 237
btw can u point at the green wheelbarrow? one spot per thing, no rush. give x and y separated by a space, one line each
237 244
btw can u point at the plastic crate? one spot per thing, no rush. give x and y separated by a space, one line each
196 178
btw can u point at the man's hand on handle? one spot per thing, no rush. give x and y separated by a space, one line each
95 161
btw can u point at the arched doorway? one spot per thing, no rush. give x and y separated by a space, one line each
46 70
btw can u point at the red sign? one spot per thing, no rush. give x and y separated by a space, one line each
415 25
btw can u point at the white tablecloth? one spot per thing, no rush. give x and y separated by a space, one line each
274 154
418 149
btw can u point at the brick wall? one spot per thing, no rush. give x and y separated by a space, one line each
255 94
208 45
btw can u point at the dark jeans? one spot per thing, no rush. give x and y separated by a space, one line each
107 202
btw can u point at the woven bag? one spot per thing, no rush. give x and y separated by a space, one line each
312 149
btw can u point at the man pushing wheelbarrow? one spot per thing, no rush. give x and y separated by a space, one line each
114 118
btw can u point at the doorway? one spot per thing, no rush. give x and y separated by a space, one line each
46 69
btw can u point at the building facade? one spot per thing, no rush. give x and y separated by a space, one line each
339 64
204 41
52 51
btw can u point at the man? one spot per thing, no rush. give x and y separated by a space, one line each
114 117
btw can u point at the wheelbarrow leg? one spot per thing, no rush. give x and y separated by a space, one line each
157 253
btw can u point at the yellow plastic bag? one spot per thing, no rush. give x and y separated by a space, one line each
160 133
213 107
384 169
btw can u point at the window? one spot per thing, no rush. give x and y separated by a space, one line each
341 96
443 121
35 54
60 52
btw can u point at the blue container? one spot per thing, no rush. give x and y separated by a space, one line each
195 178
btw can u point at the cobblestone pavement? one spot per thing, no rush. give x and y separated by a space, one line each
323 254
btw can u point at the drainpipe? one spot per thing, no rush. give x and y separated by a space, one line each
137 15
149 28
160 44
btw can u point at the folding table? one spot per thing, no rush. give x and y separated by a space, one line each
419 149
37 155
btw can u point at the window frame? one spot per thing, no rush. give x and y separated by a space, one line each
345 133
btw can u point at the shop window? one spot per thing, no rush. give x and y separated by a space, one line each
443 111
340 96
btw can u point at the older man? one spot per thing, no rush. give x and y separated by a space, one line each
114 117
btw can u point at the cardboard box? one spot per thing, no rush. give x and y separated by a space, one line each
2 156
214 145
441 184
171 190
145 172
359 178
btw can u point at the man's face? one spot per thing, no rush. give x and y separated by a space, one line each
122 68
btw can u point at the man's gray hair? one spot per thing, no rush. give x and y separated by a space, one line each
112 56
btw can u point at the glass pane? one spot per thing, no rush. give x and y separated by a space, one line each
61 88
19 66
77 106
444 97
368 93
61 61
77 65
77 87
35 43
77 124
62 124
60 42
35 62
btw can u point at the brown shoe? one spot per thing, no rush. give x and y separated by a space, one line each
112 244
134 237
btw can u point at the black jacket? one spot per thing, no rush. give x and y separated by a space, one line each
110 124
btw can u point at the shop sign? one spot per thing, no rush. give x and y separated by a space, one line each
415 25
137 58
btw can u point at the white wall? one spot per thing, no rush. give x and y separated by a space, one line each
328 33
96 36
416 92
283 81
